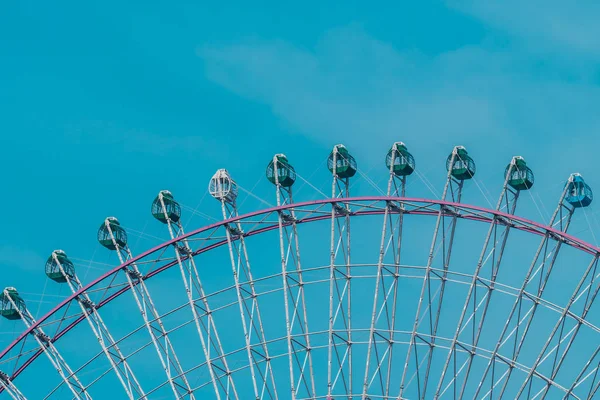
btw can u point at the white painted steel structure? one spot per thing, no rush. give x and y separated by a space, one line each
338 329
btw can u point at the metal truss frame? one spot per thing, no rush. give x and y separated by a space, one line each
284 218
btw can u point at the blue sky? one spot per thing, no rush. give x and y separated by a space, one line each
104 105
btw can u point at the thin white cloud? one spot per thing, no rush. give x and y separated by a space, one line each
549 25
352 87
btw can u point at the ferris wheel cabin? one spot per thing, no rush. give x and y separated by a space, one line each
165 208
519 176
11 304
403 162
341 162
109 229
223 187
460 164
579 194
280 171
58 260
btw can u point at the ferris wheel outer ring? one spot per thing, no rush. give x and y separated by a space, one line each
527 226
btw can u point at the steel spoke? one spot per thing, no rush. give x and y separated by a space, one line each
544 253
10 387
114 239
223 188
508 198
167 210
401 164
10 296
453 187
282 175
339 365
60 264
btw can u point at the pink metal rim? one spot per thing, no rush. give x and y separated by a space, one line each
569 239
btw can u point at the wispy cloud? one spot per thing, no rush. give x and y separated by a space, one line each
552 25
352 85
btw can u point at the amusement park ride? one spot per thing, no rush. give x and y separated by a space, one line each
346 350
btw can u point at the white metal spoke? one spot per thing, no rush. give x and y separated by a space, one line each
282 174
224 189
538 287
166 353
584 374
56 359
401 164
286 357
544 253
592 268
220 374
113 353
383 316
453 187
10 387
339 364
508 198
563 356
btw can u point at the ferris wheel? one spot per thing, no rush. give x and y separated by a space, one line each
424 298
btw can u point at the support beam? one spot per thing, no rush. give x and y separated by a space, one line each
223 188
517 177
592 291
548 249
584 374
10 387
13 305
460 167
281 173
113 236
167 210
60 269
339 358
378 367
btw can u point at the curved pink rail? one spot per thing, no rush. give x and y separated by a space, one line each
528 225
